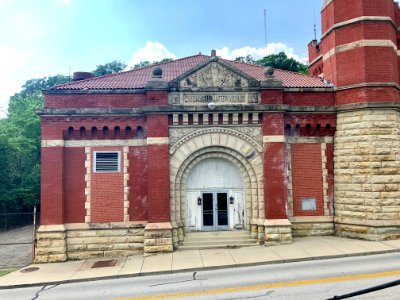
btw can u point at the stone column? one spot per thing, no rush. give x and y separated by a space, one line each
277 227
157 238
367 174
51 238
158 232
51 244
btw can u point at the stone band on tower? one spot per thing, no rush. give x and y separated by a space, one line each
358 54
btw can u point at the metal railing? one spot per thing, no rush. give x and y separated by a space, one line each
13 220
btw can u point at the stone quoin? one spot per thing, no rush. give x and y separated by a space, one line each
133 161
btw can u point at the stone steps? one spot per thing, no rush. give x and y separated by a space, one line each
217 239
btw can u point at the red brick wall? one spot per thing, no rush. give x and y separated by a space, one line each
107 192
308 98
307 177
157 125
74 185
275 181
271 96
363 64
55 127
51 207
137 183
158 184
157 98
376 94
273 124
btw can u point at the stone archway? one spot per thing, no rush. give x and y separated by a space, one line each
214 196
234 146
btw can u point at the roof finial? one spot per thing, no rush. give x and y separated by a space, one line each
213 53
156 72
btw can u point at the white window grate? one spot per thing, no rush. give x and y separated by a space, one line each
107 162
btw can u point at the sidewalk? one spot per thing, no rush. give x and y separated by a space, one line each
309 248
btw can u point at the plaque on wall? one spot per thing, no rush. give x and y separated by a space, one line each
200 98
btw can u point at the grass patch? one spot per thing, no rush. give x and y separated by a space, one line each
5 272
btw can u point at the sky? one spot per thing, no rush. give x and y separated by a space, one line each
41 38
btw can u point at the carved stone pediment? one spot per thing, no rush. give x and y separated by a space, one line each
214 76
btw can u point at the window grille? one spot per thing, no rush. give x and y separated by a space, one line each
107 162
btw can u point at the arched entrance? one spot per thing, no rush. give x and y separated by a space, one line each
228 144
215 196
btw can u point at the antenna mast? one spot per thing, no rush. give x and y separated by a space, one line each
315 26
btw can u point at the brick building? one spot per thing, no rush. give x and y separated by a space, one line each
134 160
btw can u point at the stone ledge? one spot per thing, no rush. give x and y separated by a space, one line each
52 228
311 219
158 226
112 225
277 222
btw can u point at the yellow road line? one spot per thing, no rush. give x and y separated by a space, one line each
266 286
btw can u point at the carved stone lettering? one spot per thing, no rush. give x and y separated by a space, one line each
196 98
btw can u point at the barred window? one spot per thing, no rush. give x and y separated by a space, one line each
107 162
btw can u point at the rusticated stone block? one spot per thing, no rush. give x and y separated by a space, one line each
52 258
128 246
72 248
123 253
158 234
158 249
99 247
84 255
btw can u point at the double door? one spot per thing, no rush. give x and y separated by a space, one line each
215 211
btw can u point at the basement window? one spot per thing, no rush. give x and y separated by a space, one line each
107 162
308 204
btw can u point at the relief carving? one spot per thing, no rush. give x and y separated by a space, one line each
214 75
251 134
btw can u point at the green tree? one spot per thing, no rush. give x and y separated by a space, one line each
20 145
281 61
148 63
109 68
36 85
246 59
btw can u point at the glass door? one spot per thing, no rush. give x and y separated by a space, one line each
215 211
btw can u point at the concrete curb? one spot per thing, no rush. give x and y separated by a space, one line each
282 261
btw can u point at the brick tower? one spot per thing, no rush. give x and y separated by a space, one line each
358 53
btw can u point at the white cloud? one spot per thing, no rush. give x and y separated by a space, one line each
152 51
66 2
257 53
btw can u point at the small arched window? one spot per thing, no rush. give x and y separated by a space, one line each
139 132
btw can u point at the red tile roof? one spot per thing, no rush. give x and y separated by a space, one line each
137 78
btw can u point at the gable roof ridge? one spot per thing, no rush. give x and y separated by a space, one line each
129 71
163 63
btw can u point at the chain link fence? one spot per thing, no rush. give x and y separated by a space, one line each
17 238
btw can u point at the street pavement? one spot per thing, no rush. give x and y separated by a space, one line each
308 280
302 249
16 248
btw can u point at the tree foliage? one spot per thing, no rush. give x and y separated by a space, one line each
248 59
109 68
148 63
20 146
278 61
